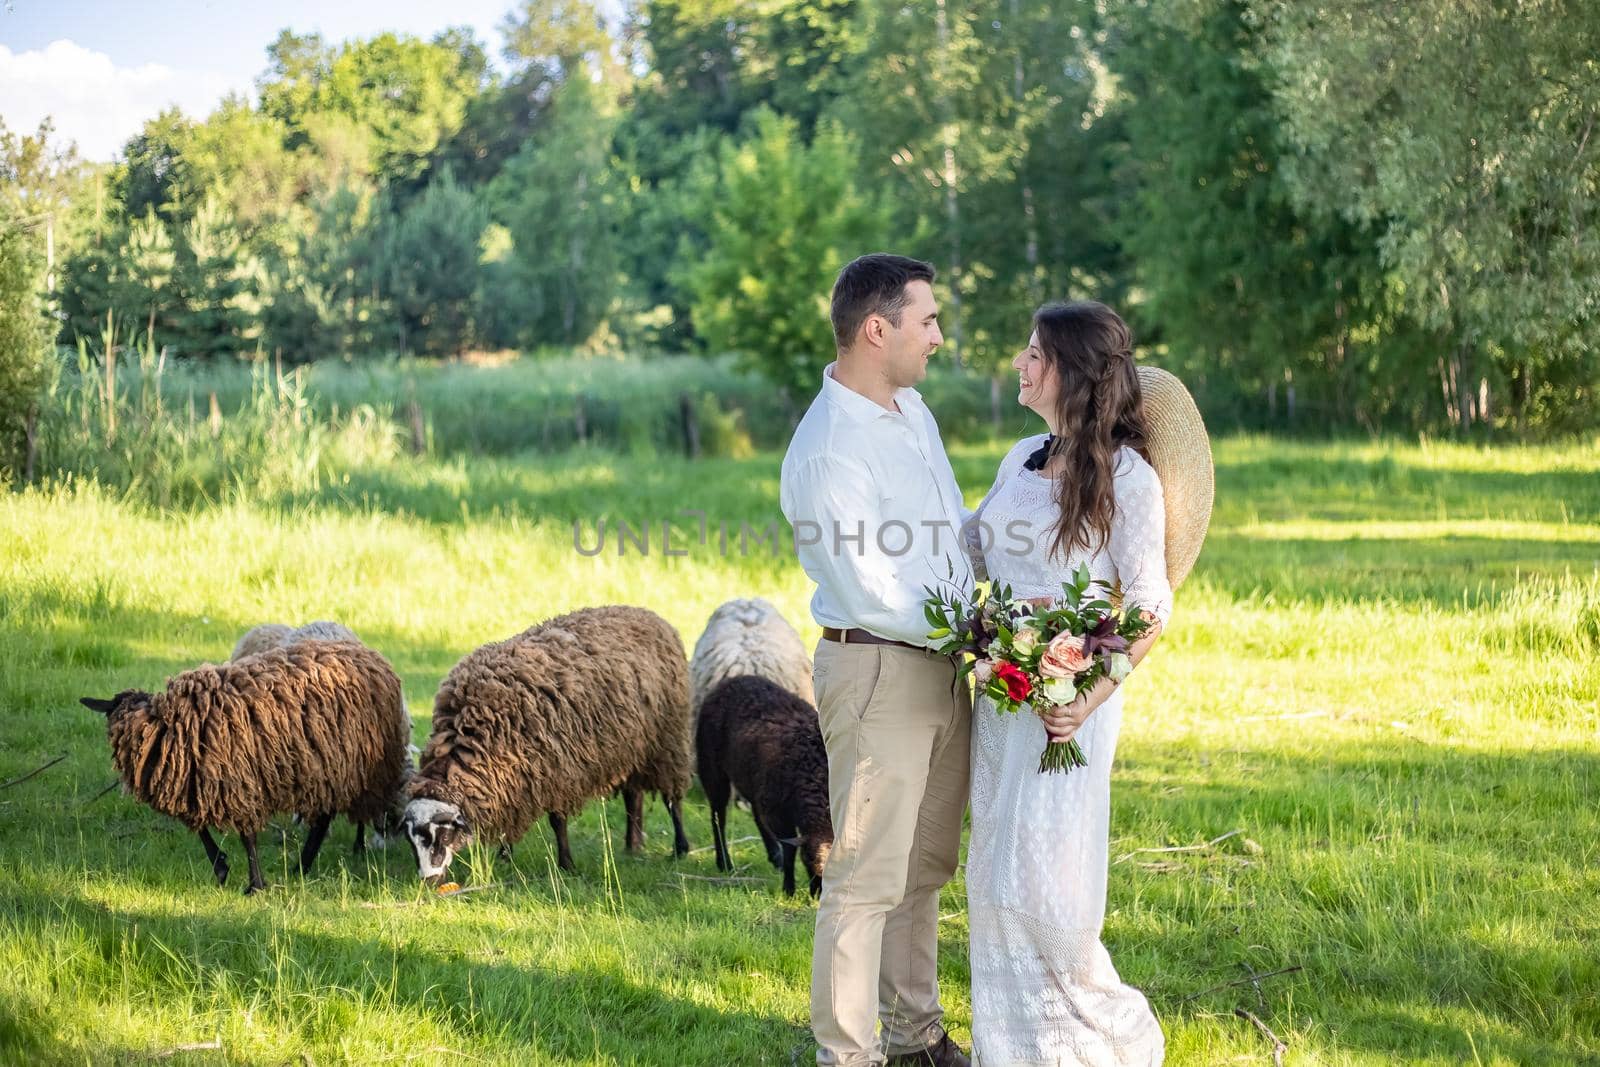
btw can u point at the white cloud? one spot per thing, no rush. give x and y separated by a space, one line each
95 102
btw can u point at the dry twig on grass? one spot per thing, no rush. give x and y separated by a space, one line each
1251 980
102 793
214 1045
1213 843
727 880
1278 1047
433 896
735 841
37 770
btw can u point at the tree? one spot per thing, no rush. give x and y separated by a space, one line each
22 340
210 280
321 295
430 255
1476 164
557 198
1239 283
783 217
150 261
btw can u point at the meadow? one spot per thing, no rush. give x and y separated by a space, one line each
1383 681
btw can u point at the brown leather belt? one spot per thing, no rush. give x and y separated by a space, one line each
864 637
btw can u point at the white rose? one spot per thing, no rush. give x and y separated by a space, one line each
1059 691
1118 666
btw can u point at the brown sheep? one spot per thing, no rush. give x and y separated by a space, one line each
312 727
542 722
756 736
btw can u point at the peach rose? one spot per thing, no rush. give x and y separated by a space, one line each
983 671
1064 657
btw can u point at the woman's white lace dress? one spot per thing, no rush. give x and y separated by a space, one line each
1044 990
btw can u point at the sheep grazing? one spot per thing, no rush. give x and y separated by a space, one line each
758 737
571 709
748 636
313 727
276 635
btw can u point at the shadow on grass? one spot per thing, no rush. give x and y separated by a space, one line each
314 983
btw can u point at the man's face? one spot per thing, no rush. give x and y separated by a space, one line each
908 346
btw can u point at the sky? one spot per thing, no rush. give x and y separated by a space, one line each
100 68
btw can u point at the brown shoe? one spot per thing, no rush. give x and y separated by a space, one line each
943 1053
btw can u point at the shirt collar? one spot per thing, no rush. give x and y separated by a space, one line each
859 407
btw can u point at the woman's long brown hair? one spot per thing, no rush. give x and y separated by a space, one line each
1099 409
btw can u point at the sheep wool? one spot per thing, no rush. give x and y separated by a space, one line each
759 738
565 711
276 635
749 637
313 727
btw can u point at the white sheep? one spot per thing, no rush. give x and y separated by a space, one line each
276 635
748 636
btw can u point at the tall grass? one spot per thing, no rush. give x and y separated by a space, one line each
1385 672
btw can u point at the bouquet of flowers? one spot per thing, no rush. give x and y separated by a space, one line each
1038 655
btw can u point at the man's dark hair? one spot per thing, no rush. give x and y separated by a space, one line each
873 284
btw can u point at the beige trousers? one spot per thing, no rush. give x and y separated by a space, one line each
898 731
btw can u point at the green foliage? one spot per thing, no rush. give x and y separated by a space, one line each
321 295
781 218
22 341
558 199
430 273
1346 215
1474 166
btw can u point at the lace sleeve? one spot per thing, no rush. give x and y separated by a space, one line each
1139 537
972 523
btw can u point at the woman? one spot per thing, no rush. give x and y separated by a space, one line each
1044 990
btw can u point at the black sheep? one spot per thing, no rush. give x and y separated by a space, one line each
757 737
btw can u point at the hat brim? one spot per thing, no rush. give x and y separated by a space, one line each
1180 451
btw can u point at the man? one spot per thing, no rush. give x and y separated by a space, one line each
877 516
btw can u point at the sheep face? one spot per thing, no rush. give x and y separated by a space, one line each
814 853
437 831
127 700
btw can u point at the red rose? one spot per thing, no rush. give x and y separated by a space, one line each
1017 685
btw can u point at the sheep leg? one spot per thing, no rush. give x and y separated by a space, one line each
789 851
218 858
717 792
256 881
680 840
633 801
768 838
360 845
558 824
313 845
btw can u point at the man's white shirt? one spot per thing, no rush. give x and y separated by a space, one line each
875 509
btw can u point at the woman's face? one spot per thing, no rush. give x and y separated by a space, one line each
1036 379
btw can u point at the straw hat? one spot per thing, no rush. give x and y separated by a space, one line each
1180 452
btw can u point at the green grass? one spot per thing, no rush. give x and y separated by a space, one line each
1384 672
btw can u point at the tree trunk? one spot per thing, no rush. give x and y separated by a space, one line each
949 176
32 454
1030 222
691 426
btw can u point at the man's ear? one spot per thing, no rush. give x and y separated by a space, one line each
104 707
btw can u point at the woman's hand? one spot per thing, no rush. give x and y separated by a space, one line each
1063 720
